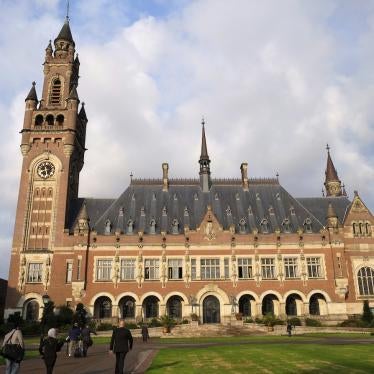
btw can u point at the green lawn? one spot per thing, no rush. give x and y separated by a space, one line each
268 358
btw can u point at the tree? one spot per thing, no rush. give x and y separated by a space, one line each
64 316
367 315
80 315
48 318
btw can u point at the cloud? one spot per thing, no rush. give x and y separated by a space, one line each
275 80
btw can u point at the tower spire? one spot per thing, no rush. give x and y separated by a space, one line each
205 181
332 181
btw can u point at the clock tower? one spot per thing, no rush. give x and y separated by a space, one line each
52 146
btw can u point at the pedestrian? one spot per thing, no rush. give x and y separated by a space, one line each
86 339
48 349
289 328
74 335
145 333
14 336
120 344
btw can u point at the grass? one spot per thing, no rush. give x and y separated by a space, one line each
28 354
270 358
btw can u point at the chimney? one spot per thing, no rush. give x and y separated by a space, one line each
165 176
244 171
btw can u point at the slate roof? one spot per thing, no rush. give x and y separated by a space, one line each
184 204
65 32
318 206
32 93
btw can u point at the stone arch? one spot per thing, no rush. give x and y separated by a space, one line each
294 305
317 304
144 296
31 310
39 120
50 119
28 296
270 304
55 90
103 307
324 293
251 293
123 294
276 293
176 293
247 305
301 294
127 307
111 297
151 306
211 309
215 291
174 306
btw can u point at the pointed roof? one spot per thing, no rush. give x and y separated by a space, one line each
331 211
331 173
65 32
204 148
74 94
82 112
32 94
83 213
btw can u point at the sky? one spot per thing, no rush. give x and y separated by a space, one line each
274 80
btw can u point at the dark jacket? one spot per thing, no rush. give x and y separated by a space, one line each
121 340
48 349
145 332
74 333
86 334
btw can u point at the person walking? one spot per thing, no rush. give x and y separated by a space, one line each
74 335
120 344
289 328
145 333
14 336
86 339
48 349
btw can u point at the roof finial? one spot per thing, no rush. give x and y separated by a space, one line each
67 9
323 192
131 175
277 176
203 121
328 147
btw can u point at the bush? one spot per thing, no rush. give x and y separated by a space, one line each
353 323
80 315
104 327
155 322
248 320
278 322
194 317
258 320
294 321
312 322
132 326
367 315
64 316
31 328
185 322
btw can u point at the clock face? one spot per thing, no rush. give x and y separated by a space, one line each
46 169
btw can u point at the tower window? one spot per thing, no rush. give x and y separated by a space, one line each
50 120
39 120
60 120
55 94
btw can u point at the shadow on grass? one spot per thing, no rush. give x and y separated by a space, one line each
161 366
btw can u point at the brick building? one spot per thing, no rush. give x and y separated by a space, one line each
209 246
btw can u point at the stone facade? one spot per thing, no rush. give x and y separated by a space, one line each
202 246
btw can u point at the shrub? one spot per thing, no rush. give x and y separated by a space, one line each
248 320
104 326
132 326
155 322
194 317
278 322
294 321
185 322
312 322
367 315
80 315
258 320
353 323
269 320
31 328
64 316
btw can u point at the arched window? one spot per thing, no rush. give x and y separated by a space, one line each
50 120
365 278
108 227
103 307
32 310
55 93
367 227
361 228
39 120
130 227
175 227
60 120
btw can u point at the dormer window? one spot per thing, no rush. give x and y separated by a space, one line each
265 226
308 225
152 226
55 93
130 227
108 227
286 225
242 226
175 227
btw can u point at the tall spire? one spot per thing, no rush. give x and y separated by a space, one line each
332 181
64 35
205 181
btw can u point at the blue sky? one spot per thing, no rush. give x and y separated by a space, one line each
276 81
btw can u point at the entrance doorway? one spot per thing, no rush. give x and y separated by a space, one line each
211 310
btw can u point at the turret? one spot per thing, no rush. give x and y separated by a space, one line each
332 181
205 180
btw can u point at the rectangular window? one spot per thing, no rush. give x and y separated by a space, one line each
245 268
290 267
128 269
175 269
79 266
34 274
104 270
226 264
69 272
314 267
267 268
209 268
152 268
193 268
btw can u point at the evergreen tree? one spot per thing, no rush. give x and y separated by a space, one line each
80 315
48 318
367 315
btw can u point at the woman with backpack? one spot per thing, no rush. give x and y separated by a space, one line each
48 349
13 338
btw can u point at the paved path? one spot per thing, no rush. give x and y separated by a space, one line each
99 361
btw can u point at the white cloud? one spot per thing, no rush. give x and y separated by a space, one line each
264 74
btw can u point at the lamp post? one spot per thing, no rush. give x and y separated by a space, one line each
46 300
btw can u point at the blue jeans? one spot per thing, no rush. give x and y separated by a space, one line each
12 367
